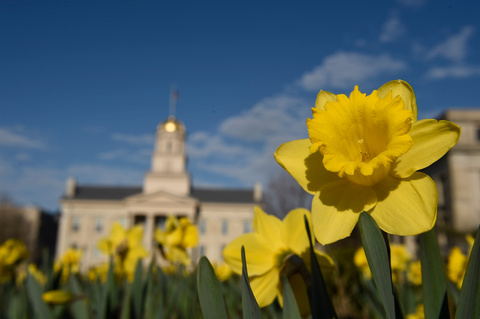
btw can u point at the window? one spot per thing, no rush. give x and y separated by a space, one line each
160 222
247 226
75 223
122 221
203 226
96 253
139 220
225 227
99 224
222 248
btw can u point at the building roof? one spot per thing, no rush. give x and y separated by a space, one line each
202 194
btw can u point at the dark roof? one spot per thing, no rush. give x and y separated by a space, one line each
223 195
203 195
104 192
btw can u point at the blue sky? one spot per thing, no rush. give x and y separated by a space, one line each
83 84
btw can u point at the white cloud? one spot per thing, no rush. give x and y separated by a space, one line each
242 149
101 174
267 119
10 138
142 139
141 156
456 71
392 29
344 70
454 47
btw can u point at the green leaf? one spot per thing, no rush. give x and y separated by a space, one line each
110 295
34 292
79 306
320 302
290 308
433 277
469 300
137 291
127 304
209 292
250 307
378 261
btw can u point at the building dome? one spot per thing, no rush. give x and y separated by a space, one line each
172 125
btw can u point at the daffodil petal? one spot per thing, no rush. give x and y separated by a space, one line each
266 287
406 207
259 254
404 90
135 236
337 207
323 97
294 232
117 234
267 226
431 140
306 168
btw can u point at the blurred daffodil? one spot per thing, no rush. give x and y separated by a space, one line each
57 297
360 260
222 271
174 240
12 253
363 154
69 263
419 314
276 248
414 274
457 263
125 246
399 260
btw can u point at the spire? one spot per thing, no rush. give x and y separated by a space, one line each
173 101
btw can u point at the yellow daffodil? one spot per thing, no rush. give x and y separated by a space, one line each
222 271
399 260
457 263
360 260
269 250
419 314
126 246
363 154
57 297
13 252
69 263
414 274
176 238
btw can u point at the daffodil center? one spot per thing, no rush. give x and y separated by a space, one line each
361 136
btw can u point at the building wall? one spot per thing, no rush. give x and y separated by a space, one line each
218 225
83 223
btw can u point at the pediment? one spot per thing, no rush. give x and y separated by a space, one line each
160 198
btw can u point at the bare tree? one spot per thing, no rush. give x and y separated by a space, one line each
282 194
12 221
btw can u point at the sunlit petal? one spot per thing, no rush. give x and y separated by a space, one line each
266 287
323 97
431 140
406 207
402 89
259 254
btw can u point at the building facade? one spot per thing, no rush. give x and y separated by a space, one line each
457 176
88 212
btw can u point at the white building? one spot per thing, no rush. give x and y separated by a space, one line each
87 212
